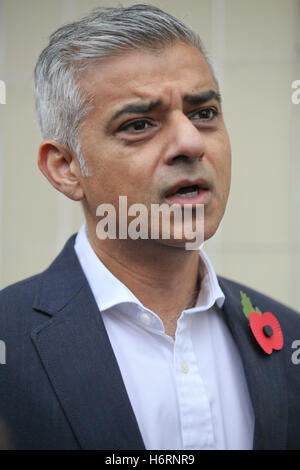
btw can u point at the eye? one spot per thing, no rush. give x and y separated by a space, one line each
207 114
138 125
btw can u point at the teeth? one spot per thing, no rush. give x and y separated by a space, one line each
191 194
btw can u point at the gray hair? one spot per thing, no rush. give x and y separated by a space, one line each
61 104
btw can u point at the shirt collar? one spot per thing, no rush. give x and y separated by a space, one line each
109 291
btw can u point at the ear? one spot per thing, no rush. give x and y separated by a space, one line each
61 167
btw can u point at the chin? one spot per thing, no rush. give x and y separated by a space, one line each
182 244
210 228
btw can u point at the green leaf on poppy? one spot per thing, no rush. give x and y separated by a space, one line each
247 305
258 311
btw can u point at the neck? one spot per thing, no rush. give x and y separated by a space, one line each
164 278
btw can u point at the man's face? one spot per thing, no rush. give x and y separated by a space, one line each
156 133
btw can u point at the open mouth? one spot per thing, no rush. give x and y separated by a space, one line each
187 192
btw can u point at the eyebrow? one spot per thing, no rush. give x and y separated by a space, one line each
202 98
136 108
146 107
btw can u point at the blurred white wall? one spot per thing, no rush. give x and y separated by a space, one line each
256 48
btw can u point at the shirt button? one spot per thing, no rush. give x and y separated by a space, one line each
184 367
146 319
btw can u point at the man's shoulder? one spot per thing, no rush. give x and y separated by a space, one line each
18 317
16 302
24 293
25 289
266 303
22 290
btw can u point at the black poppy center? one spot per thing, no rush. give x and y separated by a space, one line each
268 331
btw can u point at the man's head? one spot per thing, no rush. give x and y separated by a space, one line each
61 104
130 93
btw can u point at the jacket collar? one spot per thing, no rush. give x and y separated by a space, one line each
64 277
265 374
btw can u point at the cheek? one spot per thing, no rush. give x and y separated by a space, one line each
225 171
114 177
223 163
227 168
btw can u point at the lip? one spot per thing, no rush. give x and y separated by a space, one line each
203 196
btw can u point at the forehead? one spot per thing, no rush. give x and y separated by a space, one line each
167 74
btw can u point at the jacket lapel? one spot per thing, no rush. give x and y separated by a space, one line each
265 375
77 355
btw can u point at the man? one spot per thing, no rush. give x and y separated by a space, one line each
129 342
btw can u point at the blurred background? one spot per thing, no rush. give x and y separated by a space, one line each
255 46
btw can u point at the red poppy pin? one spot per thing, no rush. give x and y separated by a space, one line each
264 326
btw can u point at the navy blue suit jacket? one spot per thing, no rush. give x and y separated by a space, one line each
61 386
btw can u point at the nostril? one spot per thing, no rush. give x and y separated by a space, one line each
180 157
186 157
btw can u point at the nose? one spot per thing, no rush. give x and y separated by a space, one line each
185 141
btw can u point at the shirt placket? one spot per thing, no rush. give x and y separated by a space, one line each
195 412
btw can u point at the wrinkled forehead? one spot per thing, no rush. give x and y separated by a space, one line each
173 72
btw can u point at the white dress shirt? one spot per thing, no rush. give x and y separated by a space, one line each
190 393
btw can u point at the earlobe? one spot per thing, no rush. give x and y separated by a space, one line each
59 165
